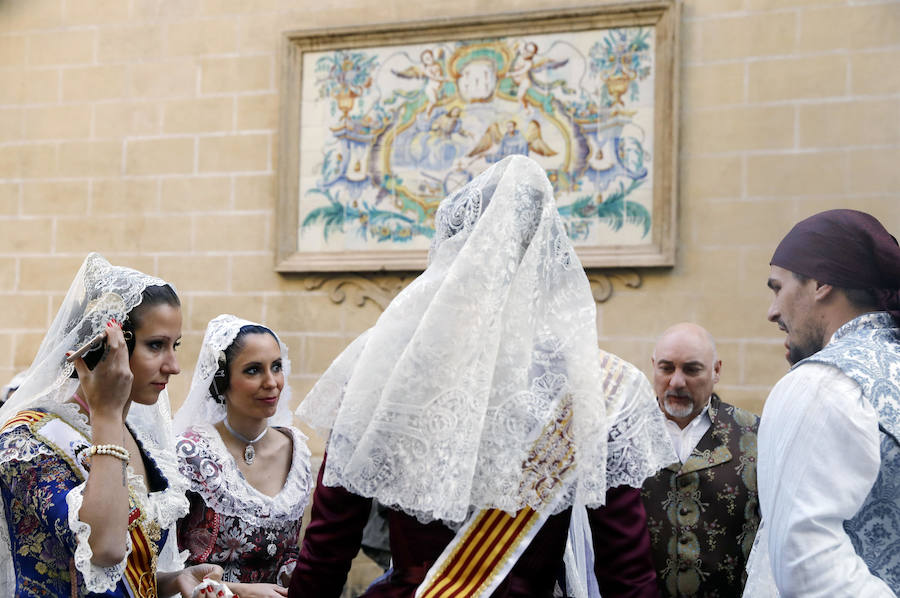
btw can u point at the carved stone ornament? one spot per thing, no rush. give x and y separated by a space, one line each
381 289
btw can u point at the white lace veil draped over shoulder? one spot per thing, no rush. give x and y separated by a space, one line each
436 408
100 292
200 407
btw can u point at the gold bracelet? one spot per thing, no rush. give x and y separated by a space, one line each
113 450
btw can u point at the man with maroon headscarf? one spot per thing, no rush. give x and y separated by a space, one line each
829 457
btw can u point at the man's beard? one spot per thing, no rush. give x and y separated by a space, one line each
797 353
678 409
806 347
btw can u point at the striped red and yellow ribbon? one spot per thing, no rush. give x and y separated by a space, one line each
139 569
493 536
24 417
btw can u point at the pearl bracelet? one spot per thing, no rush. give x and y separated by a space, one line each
113 450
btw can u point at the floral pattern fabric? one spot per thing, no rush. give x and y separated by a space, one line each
37 490
703 514
867 349
253 537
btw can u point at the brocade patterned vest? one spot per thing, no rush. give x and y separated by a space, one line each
867 350
702 515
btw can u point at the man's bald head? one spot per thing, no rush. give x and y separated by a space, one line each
686 367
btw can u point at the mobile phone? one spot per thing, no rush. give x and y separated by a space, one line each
90 351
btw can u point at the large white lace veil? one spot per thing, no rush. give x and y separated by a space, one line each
200 407
435 409
99 293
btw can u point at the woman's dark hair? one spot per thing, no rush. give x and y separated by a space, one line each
151 297
220 380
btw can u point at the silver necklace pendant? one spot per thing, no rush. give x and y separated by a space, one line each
249 451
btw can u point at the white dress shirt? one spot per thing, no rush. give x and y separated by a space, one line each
684 440
818 459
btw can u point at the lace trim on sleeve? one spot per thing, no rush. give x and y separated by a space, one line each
164 507
96 579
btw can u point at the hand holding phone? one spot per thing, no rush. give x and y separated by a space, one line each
96 344
103 372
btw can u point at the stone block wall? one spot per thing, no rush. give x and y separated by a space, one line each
147 130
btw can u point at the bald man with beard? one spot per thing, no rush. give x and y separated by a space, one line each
702 511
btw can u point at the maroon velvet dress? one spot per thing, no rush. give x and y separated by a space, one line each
623 563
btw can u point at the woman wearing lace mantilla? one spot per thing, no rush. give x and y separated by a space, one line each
248 467
480 409
88 477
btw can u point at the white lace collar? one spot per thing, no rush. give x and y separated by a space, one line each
214 475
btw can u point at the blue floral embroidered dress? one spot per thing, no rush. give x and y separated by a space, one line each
42 481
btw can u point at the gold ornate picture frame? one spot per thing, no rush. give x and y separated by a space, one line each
378 124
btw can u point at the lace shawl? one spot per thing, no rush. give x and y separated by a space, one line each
214 475
435 409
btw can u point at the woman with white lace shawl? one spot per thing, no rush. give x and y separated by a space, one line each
248 467
88 478
480 399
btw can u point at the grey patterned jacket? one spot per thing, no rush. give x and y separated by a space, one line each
867 349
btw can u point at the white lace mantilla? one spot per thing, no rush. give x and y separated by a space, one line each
215 476
100 292
200 407
435 410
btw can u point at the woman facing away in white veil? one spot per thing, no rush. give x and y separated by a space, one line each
248 467
480 410
88 478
